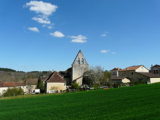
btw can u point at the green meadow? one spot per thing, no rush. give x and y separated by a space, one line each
140 102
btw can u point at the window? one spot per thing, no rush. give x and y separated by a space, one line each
82 60
79 61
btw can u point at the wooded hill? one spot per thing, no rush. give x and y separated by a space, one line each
7 74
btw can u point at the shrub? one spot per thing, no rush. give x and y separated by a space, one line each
75 85
13 92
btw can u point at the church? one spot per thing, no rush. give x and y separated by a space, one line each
60 80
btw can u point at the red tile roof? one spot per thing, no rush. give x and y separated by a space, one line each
128 68
133 67
11 84
55 77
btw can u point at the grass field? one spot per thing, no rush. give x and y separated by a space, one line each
130 103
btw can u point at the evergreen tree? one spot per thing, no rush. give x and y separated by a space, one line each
40 85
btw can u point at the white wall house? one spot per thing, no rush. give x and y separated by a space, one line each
55 82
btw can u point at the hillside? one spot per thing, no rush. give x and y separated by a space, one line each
7 74
132 103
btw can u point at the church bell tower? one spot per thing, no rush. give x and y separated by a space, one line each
79 66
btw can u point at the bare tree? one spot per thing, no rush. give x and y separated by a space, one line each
94 75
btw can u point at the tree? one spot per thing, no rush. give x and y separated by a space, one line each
41 85
93 76
106 78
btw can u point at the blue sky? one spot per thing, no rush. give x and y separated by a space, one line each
47 34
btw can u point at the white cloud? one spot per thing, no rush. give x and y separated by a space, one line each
34 29
57 34
43 11
43 8
42 20
104 51
78 39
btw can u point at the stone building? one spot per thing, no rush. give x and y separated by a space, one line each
79 66
136 74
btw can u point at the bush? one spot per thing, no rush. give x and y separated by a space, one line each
13 92
75 85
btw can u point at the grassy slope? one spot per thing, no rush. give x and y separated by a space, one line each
132 103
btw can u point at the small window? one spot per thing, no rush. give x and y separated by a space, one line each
82 60
79 61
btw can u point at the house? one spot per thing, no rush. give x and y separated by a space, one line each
55 82
117 79
4 86
136 74
155 69
121 72
79 66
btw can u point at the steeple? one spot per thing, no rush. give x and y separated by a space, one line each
79 66
80 59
